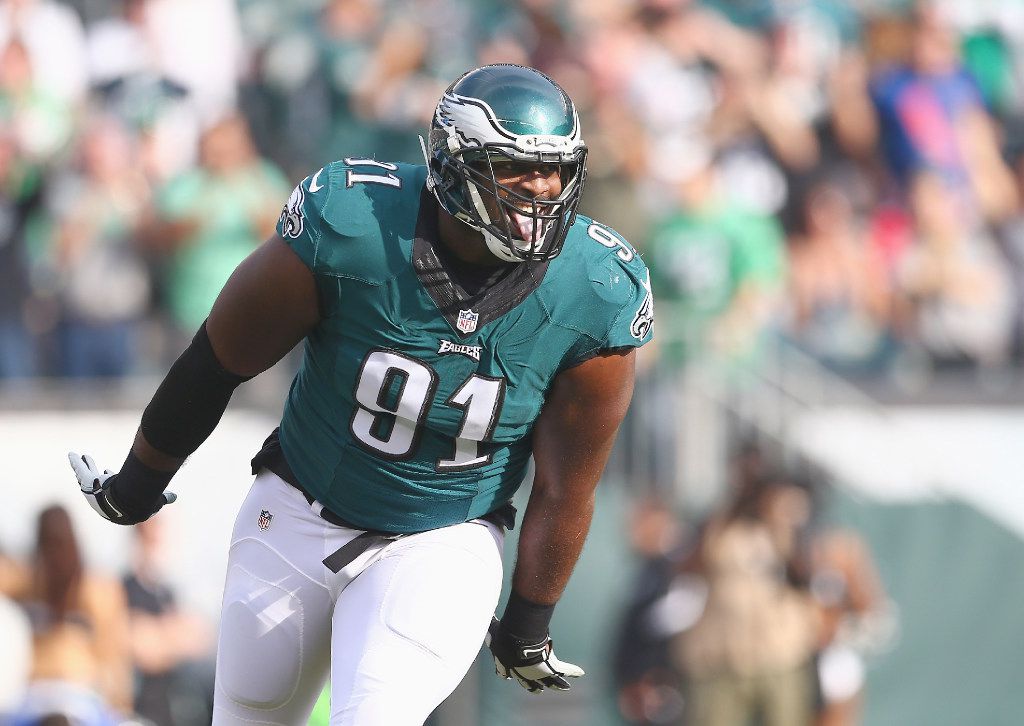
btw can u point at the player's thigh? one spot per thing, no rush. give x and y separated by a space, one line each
273 648
410 626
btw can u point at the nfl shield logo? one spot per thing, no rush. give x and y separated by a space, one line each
467 321
264 521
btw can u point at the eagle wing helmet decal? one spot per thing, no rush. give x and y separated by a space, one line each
475 124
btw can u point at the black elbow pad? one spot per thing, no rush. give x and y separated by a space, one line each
190 401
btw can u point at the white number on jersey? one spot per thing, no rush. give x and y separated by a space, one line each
480 398
609 240
352 177
393 394
391 427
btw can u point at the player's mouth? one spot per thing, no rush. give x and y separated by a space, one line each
525 226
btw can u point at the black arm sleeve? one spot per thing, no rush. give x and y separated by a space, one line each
190 401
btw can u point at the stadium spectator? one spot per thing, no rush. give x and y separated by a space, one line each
932 118
855 620
97 207
751 649
758 131
198 46
127 80
839 299
618 181
80 666
54 40
171 648
210 218
20 196
304 79
395 88
818 73
719 268
834 567
956 280
649 687
40 120
668 85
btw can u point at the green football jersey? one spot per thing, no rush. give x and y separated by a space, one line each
414 404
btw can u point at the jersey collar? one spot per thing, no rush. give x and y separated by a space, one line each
440 280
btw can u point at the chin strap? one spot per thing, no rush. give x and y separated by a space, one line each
426 160
497 247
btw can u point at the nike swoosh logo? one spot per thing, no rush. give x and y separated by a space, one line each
313 186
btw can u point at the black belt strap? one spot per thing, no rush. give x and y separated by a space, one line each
504 517
340 558
356 546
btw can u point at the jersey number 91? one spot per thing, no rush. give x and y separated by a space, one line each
393 396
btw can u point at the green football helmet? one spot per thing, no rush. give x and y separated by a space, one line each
500 114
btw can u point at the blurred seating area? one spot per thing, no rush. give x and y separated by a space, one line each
844 176
765 610
91 649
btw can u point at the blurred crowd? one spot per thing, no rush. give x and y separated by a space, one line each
761 612
86 649
841 175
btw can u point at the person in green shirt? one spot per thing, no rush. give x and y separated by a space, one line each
208 219
717 267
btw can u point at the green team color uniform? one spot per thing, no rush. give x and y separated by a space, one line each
414 404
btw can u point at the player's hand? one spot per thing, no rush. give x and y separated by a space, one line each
534 665
98 489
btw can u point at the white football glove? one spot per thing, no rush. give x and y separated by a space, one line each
97 489
533 665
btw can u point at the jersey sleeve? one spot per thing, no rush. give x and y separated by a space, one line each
620 297
301 222
634 324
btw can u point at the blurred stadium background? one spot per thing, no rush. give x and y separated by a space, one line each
828 194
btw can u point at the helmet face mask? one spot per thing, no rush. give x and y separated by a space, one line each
507 115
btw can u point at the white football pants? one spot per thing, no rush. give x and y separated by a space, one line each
397 628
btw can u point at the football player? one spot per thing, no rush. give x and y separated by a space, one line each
457 318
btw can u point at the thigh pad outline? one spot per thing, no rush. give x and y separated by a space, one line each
261 639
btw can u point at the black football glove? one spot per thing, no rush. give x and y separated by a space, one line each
533 664
97 487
